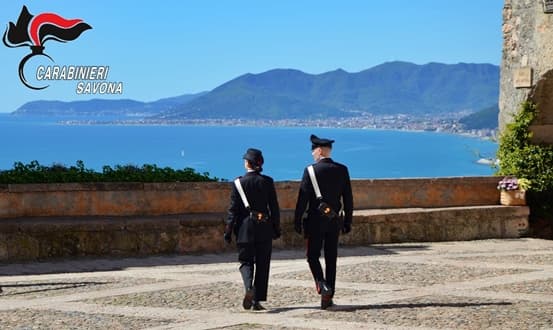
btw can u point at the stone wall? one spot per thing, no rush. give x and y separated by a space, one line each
527 63
43 221
150 199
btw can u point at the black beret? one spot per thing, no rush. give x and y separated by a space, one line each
318 142
255 156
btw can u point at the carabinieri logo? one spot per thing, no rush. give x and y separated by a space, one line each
34 31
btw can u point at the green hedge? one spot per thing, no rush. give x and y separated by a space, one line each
57 173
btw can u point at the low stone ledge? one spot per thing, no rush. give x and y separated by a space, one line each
54 237
498 210
438 224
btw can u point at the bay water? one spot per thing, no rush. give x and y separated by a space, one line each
369 153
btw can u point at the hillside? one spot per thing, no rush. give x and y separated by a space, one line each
390 88
103 107
486 118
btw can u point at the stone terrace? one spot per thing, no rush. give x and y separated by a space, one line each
493 284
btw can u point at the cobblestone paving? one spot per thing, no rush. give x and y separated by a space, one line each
538 259
545 286
488 284
51 319
407 273
218 296
450 312
37 288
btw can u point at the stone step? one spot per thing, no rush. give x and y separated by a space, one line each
52 237
439 224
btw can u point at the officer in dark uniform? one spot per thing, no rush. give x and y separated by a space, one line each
322 227
254 227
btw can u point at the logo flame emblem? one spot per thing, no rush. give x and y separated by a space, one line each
34 31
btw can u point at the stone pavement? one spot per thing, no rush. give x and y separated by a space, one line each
487 284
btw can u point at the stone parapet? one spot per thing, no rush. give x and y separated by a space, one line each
144 199
43 221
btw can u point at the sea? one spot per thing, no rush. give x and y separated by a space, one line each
218 150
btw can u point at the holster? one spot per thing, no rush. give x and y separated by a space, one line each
326 210
259 217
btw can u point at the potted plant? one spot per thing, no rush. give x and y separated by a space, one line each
513 190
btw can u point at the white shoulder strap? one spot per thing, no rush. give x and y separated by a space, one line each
311 171
242 193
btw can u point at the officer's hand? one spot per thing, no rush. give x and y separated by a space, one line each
346 228
228 237
277 232
297 227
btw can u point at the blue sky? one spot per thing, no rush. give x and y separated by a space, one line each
167 48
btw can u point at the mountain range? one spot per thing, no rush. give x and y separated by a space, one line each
389 88
394 87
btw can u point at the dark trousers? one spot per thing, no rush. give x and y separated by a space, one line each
255 261
326 239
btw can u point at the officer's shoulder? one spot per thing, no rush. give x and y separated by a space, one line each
266 177
331 163
340 165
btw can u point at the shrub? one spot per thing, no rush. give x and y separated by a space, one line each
59 173
520 158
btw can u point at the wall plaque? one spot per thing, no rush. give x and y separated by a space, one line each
523 77
547 6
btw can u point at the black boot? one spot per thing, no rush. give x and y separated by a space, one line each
326 294
248 299
257 306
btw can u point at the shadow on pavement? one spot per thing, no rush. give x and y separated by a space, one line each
57 286
93 264
353 308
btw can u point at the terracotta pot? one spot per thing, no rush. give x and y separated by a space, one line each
513 197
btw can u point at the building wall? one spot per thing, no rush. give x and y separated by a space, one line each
527 48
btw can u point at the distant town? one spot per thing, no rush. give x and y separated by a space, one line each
444 123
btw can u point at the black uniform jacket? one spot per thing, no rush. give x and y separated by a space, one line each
335 185
261 194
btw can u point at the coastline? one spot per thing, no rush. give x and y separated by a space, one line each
349 123
401 123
